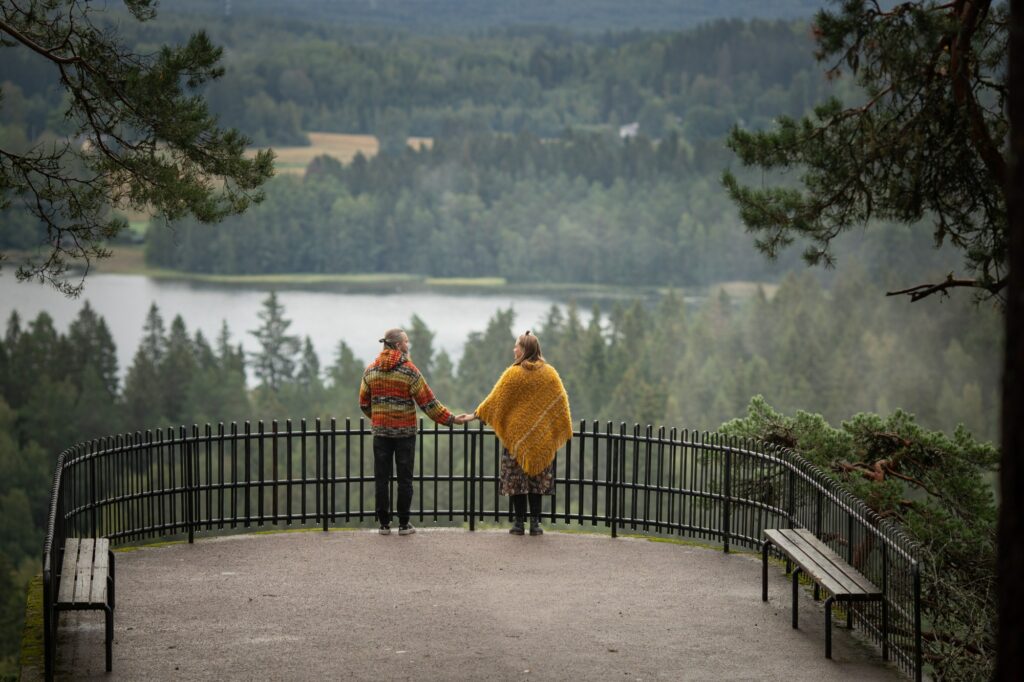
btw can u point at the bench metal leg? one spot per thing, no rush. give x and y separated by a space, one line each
50 645
817 592
764 570
828 627
849 615
796 593
110 579
110 637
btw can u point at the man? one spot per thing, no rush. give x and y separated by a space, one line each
391 389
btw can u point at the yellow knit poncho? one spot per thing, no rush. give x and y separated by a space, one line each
529 410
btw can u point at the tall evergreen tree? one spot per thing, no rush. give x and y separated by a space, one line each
91 345
485 356
343 383
143 394
176 371
422 342
274 362
308 387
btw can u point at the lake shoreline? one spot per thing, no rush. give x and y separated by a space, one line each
130 260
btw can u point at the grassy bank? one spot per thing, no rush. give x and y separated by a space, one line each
129 259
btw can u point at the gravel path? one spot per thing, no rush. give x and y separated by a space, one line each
450 604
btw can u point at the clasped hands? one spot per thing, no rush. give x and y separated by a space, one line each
464 418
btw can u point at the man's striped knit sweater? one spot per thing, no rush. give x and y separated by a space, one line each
391 389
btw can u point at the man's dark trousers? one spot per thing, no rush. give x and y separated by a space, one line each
403 450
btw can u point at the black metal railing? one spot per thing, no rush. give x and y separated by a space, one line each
136 487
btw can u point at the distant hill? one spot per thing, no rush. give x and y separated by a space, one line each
443 16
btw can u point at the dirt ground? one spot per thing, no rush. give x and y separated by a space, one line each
450 604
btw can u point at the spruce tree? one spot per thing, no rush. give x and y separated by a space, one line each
343 383
143 393
422 340
274 362
176 371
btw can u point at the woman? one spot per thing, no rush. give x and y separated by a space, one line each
529 410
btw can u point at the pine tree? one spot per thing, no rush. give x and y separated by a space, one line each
274 363
143 393
176 371
933 77
422 342
308 387
152 143
342 391
91 345
485 356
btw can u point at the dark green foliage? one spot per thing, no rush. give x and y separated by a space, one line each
928 139
939 489
140 137
342 397
485 356
584 208
421 341
274 363
175 372
144 405
292 76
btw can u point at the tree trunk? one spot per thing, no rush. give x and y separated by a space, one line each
1010 651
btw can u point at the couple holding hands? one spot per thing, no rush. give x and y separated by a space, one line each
528 409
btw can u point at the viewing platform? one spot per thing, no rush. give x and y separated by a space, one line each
449 604
248 553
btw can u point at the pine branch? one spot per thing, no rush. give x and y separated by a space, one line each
920 291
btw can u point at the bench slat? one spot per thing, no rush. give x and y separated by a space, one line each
101 568
838 562
818 565
83 571
66 592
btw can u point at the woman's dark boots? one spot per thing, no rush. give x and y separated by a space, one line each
519 509
535 528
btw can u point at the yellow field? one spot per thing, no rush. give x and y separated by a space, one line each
342 147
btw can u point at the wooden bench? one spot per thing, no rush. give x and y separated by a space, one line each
87 583
816 560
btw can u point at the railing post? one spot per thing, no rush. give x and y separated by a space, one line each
186 460
197 494
613 452
472 480
92 487
322 451
791 501
818 512
849 538
261 488
334 467
273 470
726 502
247 502
885 600
918 652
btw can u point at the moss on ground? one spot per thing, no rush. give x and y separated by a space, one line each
31 658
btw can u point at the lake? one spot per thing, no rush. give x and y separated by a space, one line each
327 317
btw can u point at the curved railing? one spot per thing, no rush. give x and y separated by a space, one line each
154 484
